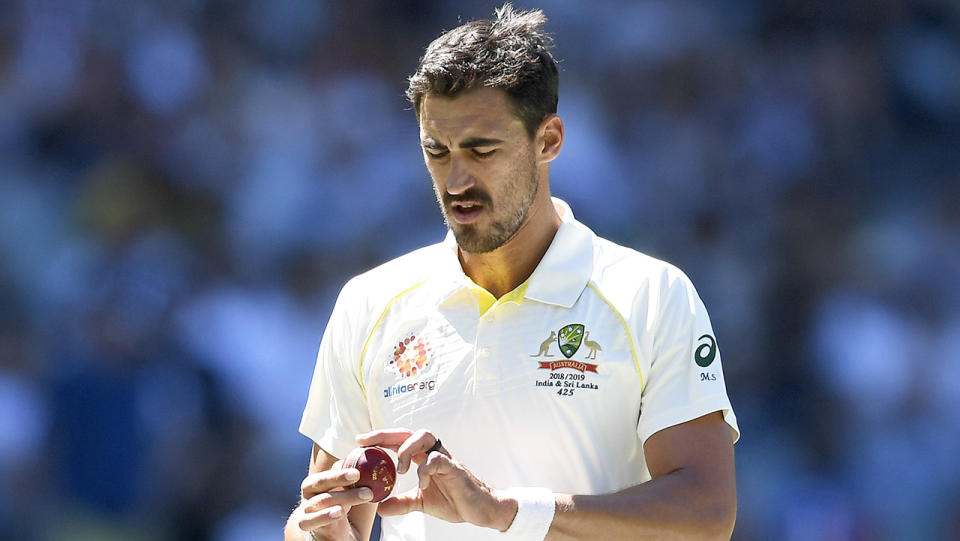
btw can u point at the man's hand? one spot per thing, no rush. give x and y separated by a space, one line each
447 490
326 501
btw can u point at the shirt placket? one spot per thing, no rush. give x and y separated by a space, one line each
487 374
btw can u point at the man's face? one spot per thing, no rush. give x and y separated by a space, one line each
483 165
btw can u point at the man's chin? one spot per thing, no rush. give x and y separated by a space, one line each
472 241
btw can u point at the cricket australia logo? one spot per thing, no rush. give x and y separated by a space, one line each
569 339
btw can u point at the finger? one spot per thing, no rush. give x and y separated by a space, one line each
328 480
319 519
436 464
401 504
420 458
341 498
416 446
390 438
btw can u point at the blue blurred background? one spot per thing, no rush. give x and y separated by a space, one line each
185 185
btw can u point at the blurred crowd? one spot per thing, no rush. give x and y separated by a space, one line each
186 184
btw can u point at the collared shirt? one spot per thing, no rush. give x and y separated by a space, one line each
556 384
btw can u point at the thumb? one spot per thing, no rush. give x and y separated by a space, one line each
401 504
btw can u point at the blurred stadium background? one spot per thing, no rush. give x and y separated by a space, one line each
185 185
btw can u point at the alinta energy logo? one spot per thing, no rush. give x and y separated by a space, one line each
411 357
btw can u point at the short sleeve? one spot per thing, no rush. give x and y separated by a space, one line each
685 379
336 409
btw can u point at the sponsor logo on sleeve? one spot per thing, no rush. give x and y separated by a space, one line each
704 356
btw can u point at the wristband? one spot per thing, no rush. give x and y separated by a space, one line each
535 509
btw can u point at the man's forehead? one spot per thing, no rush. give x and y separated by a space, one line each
471 113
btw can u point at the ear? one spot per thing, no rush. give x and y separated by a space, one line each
549 139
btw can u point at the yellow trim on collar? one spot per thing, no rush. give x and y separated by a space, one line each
486 300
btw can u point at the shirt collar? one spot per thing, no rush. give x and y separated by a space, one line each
566 268
560 276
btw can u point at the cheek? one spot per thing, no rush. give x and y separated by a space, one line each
515 175
437 180
434 172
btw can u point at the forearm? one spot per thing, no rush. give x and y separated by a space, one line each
683 504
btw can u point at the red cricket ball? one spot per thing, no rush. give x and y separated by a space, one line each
377 470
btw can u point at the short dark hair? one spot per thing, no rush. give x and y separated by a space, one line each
511 52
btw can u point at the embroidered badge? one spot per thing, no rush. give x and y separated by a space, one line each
570 338
577 379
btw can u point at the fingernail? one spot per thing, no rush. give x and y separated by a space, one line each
353 475
365 493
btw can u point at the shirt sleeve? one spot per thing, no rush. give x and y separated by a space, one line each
336 409
685 380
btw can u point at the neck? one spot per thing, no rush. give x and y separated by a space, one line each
505 268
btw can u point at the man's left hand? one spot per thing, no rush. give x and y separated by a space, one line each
447 490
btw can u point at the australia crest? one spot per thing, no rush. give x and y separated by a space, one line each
569 339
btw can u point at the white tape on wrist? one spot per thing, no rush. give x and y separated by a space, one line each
535 509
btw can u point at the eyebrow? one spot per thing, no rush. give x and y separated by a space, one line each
472 142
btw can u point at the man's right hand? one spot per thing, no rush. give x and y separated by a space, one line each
325 502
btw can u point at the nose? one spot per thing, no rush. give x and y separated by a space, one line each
460 179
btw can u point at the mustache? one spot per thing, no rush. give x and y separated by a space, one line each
474 195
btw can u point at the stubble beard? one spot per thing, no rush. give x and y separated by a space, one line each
474 240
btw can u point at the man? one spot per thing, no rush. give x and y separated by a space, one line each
626 435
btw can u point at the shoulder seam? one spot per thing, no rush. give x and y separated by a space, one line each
626 328
366 343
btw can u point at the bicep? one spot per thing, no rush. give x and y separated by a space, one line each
360 516
702 446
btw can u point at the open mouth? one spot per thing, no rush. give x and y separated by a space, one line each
465 213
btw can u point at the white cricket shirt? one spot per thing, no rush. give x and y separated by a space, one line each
557 384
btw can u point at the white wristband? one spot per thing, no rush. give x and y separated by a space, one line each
535 509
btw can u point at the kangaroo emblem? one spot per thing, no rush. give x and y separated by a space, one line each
591 345
545 346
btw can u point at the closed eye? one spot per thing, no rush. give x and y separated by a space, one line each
481 154
436 152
